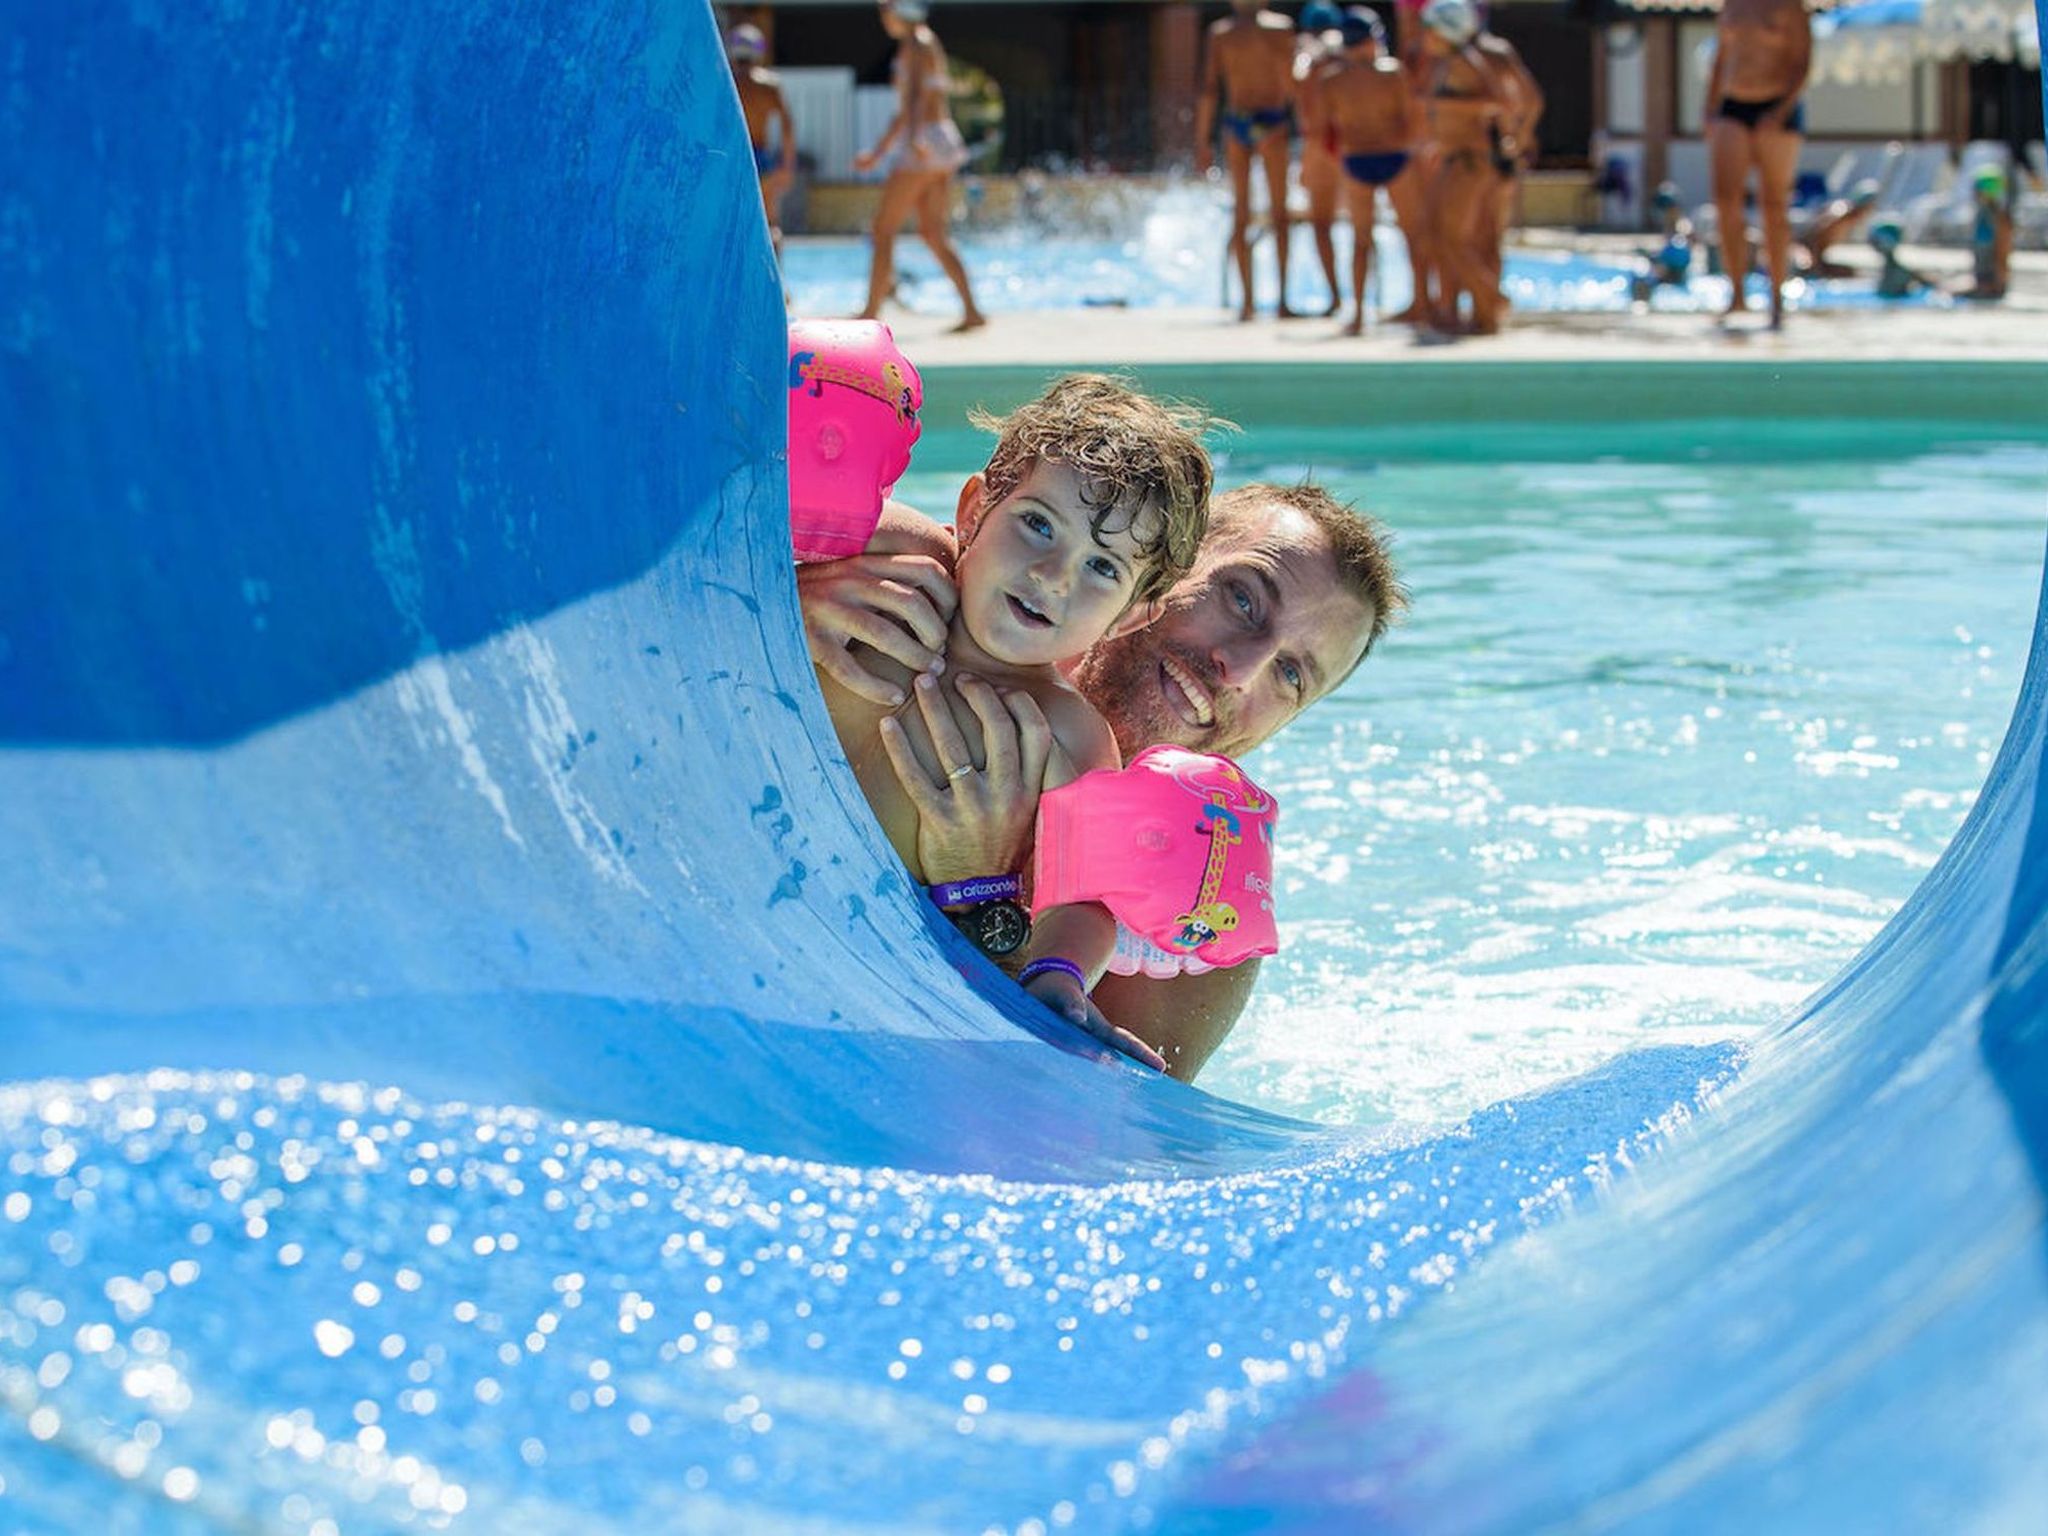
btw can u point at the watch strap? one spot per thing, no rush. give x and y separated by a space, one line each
956 893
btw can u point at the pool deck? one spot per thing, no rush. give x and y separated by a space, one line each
2015 330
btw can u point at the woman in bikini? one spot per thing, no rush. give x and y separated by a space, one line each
1465 102
932 152
1762 50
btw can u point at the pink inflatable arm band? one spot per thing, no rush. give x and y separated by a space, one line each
1178 844
854 401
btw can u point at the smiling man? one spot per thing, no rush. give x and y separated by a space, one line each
1287 594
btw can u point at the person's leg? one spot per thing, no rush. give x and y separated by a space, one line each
1466 196
1321 184
1362 206
1728 156
1409 193
1237 163
1500 218
899 194
934 214
1273 153
1776 151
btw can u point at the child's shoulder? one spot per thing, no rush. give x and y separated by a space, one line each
1078 729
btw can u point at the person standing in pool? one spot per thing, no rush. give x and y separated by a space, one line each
1289 591
1315 41
1359 102
1762 51
1248 61
770 129
930 155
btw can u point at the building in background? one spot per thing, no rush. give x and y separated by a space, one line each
1109 86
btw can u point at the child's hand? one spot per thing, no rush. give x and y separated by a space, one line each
1063 995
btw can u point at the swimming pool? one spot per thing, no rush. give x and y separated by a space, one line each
1639 769
1176 260
470 1062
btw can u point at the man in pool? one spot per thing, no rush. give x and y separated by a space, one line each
1249 60
1287 595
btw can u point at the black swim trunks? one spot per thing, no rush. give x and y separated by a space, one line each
1750 113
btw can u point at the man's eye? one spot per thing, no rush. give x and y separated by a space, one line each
1242 598
1292 673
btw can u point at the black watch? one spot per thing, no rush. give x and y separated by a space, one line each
988 911
998 928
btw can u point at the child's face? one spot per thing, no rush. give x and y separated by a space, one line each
1036 585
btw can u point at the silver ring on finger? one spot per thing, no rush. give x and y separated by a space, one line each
955 775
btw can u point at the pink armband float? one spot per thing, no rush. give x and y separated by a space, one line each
1178 844
853 415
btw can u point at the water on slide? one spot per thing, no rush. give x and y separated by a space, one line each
470 1062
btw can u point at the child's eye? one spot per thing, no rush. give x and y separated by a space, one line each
1292 672
1106 568
1038 523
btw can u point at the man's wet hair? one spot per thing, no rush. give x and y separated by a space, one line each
1360 544
1132 453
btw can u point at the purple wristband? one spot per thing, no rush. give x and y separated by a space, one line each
1051 963
982 888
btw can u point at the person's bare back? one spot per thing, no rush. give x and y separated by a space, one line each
1253 60
1761 49
1369 107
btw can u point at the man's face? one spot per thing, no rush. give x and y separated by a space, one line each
1260 629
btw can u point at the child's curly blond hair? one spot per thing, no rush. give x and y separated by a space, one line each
1132 453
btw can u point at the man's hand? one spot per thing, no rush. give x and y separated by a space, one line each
978 822
897 604
1063 995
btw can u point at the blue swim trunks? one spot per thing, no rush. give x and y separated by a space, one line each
1249 128
1375 170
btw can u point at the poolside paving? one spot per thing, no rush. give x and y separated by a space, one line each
2014 330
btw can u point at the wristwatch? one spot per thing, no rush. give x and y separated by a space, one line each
988 910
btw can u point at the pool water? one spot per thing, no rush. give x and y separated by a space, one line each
1670 733
1672 730
1173 257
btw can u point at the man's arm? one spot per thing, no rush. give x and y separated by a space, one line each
1184 1018
1205 106
896 597
778 110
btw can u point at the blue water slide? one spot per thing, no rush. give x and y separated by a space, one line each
400 685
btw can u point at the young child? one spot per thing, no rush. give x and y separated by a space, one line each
1895 280
1091 506
1990 239
1670 263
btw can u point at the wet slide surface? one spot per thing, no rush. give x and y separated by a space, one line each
470 1062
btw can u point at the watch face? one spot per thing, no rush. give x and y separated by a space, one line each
999 927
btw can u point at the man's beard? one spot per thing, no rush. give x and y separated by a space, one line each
1121 678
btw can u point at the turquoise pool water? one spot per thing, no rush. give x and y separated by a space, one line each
1676 724
1179 264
